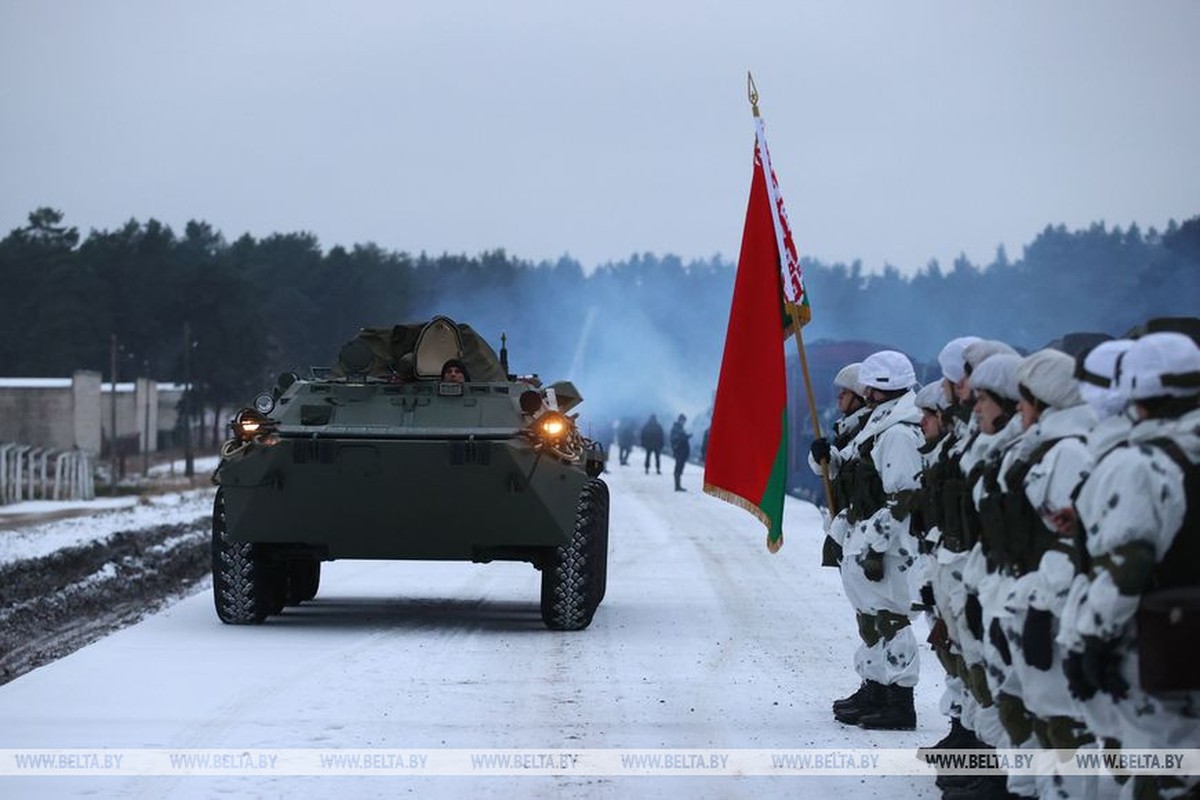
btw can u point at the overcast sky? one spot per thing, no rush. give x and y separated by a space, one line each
901 131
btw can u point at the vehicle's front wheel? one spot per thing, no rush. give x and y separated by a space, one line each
574 574
243 590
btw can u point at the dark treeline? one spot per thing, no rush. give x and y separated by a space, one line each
641 334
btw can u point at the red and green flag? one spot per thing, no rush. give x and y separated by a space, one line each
746 459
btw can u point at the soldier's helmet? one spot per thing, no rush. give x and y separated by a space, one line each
888 370
1161 365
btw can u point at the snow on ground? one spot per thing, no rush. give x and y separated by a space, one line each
112 515
88 520
704 640
201 466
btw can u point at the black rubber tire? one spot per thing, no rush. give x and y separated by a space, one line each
573 576
600 553
242 579
304 578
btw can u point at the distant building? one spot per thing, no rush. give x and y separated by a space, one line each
77 412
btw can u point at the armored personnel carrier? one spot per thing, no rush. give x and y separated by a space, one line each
378 458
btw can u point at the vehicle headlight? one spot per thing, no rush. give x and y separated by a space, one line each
249 425
552 427
556 433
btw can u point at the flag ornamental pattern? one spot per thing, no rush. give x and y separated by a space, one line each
746 460
791 275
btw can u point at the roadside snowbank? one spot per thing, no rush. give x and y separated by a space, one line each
112 515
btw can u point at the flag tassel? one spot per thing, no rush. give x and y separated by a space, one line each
745 505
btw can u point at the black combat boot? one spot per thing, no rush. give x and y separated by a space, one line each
895 713
855 698
960 737
983 787
869 697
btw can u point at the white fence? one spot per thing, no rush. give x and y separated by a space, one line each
38 473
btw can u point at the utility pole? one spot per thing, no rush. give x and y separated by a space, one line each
189 467
146 426
112 429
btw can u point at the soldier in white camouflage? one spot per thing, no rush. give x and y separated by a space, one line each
879 549
1038 479
1097 371
938 524
1133 618
855 412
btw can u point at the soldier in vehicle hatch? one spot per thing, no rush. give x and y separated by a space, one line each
453 371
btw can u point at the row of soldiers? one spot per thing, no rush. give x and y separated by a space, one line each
1042 510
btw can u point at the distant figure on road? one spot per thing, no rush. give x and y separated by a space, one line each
680 449
652 441
604 438
625 437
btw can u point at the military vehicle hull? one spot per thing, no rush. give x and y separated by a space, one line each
383 458
454 499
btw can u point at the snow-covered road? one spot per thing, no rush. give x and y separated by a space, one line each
703 641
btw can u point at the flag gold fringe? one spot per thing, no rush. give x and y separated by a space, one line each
746 505
796 316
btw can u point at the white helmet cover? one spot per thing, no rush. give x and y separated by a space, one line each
977 352
1165 364
998 374
952 359
1049 375
932 397
887 370
1097 374
847 378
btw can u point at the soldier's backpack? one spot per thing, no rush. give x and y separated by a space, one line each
1168 617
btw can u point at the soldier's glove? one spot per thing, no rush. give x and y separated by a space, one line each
819 449
1077 682
1037 639
999 641
1102 666
974 615
831 553
872 565
927 598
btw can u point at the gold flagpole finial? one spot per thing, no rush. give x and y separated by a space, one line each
752 91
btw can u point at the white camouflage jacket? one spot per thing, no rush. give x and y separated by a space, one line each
1135 494
1049 485
836 458
895 427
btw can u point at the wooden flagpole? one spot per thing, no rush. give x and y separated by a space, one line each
812 412
794 312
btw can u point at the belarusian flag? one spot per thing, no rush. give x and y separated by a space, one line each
746 460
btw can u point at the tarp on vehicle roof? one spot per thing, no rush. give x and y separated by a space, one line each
392 349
